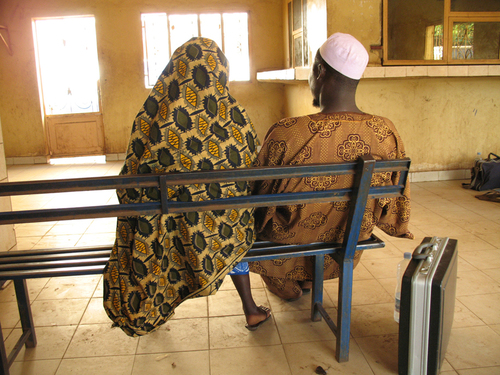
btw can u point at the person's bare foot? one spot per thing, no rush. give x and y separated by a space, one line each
257 318
306 286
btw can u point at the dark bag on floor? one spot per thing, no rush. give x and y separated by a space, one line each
485 175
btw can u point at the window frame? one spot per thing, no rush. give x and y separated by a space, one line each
171 49
296 34
449 17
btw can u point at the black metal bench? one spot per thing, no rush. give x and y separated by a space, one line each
21 265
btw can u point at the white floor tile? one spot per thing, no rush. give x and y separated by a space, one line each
207 335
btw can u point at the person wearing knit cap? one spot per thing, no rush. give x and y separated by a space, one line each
340 132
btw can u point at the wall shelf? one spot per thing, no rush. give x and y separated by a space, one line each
376 72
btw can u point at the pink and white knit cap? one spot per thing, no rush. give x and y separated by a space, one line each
345 54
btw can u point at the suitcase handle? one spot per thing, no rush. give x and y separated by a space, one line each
419 254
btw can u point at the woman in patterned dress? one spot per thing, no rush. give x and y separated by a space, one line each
188 122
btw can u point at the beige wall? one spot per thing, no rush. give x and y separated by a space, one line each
119 43
361 18
444 122
7 233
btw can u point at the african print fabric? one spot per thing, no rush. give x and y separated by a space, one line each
325 138
189 122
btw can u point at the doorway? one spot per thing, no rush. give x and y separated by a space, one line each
68 71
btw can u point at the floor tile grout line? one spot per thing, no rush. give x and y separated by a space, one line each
208 338
364 355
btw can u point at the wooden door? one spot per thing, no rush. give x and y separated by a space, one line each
75 134
69 80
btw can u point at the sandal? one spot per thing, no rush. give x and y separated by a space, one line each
255 326
489 196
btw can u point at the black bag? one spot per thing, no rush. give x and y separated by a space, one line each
485 175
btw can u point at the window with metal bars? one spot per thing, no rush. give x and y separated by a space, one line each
162 33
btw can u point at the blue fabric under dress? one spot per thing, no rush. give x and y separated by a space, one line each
240 269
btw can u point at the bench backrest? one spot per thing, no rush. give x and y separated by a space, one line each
359 193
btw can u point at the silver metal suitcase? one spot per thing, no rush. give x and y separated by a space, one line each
427 306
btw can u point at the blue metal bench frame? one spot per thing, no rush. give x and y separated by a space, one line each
21 265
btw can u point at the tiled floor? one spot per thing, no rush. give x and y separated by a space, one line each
207 335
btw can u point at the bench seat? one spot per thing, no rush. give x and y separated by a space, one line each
22 265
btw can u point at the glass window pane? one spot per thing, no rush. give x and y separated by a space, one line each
414 29
155 44
476 40
475 6
305 46
297 15
297 50
236 45
211 27
182 28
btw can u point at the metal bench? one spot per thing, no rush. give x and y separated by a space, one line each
21 265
